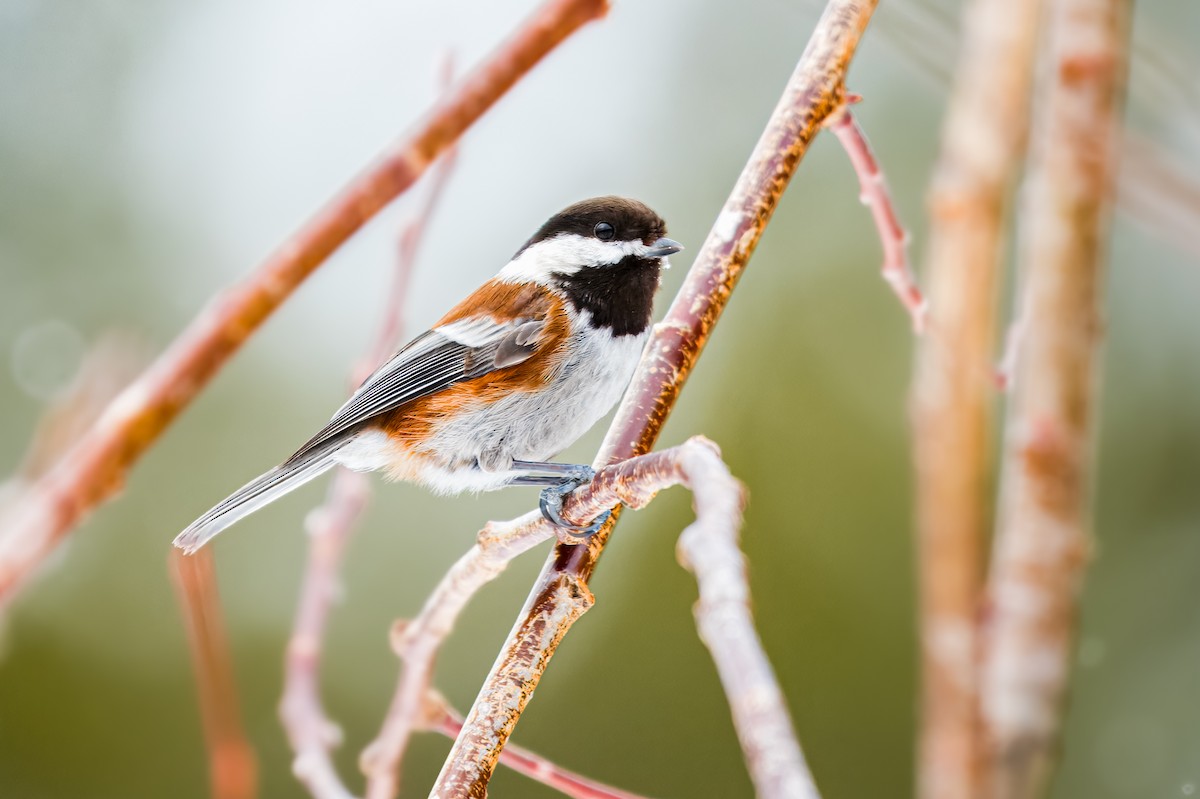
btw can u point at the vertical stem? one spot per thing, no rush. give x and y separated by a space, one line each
983 141
233 770
1043 534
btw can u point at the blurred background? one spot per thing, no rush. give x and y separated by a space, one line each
151 152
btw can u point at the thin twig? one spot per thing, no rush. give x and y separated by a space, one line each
418 641
449 722
310 732
560 594
875 195
96 467
1043 538
233 769
983 142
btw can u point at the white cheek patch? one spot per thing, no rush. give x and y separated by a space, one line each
566 253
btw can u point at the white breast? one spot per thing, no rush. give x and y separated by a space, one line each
528 426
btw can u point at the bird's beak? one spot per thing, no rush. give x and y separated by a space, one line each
663 247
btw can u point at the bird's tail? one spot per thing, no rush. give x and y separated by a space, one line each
260 491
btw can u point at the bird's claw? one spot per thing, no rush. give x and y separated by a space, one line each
551 502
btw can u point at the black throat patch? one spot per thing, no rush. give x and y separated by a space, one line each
618 296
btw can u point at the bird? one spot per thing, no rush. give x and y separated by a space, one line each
502 383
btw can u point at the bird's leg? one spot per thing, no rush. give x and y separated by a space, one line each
559 480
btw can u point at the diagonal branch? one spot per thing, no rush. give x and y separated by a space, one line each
96 467
448 722
1043 539
983 142
560 594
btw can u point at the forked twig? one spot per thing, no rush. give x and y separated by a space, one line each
96 467
449 722
560 594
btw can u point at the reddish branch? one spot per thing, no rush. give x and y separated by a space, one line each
1043 535
96 467
875 195
560 595
233 771
983 142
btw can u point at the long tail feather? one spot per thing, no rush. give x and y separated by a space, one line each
260 491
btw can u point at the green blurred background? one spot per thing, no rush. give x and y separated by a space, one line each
151 152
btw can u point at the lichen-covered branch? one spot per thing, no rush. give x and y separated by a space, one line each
983 143
1043 537
814 91
96 467
232 766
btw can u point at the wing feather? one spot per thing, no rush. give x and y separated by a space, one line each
430 363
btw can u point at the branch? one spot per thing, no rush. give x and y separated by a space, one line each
233 771
95 469
1042 539
418 642
875 195
709 549
449 723
560 594
310 732
983 142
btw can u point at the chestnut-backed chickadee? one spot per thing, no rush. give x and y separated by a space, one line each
511 376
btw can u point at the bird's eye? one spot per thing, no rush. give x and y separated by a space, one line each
604 231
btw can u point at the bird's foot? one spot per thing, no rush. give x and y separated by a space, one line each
551 502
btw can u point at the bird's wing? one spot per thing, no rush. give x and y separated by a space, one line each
434 361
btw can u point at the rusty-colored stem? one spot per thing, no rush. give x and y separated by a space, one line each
560 595
1043 536
96 467
983 142
233 768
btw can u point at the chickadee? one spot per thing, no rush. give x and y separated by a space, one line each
512 375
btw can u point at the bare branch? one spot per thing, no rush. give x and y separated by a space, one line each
709 548
310 732
417 642
95 468
560 594
1042 538
983 142
875 195
233 769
